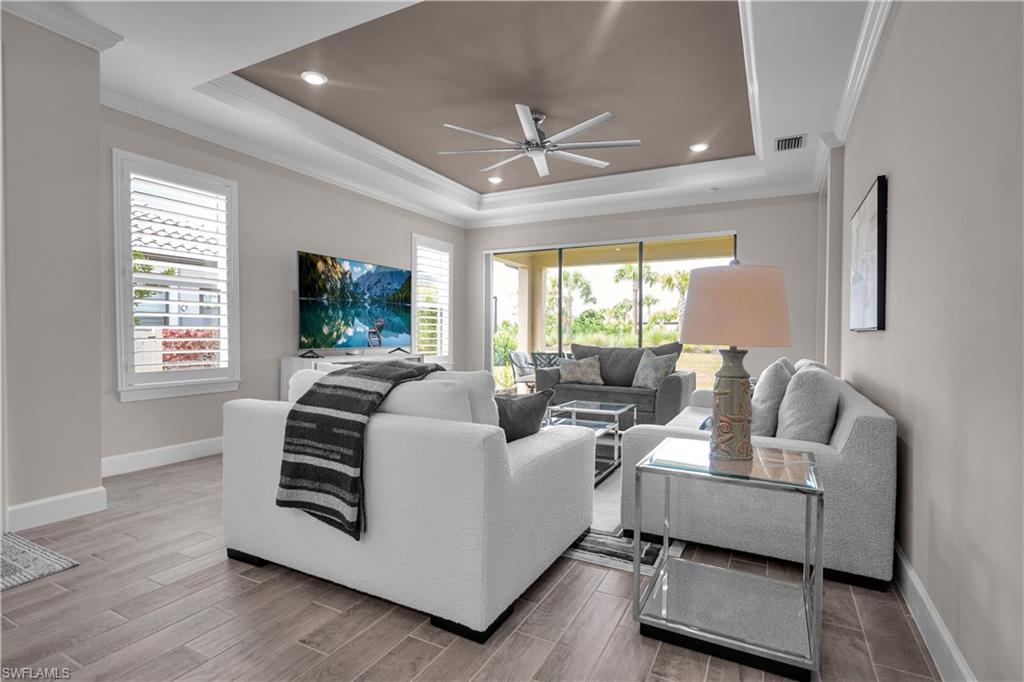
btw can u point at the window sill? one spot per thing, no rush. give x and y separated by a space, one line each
177 389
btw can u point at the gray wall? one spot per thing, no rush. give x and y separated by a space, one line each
941 116
52 263
280 212
780 232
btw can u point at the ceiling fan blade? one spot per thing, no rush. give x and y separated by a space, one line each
496 138
581 127
481 151
576 158
503 162
541 163
526 121
606 144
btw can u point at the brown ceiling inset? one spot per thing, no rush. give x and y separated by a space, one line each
671 72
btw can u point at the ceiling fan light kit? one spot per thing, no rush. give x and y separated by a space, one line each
538 146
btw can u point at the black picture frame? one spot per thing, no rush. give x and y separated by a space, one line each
868 239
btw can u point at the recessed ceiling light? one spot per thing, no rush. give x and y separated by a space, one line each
314 77
494 180
699 147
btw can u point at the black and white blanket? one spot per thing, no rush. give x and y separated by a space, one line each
322 465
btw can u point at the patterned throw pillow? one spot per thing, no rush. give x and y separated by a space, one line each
585 371
653 369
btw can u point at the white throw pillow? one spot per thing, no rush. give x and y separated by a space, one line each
808 410
447 400
769 391
439 399
480 386
808 363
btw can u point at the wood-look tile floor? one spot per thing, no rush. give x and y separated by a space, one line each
155 598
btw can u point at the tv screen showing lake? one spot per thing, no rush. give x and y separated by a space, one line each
345 303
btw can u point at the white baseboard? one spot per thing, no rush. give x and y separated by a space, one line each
158 457
56 508
947 656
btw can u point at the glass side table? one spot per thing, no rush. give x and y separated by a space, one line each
602 418
752 619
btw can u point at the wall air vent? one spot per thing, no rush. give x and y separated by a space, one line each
785 144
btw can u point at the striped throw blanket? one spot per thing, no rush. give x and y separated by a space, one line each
322 464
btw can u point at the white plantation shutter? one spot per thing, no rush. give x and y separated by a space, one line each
177 302
433 300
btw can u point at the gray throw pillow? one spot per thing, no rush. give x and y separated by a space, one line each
585 371
768 393
807 362
808 410
653 369
522 415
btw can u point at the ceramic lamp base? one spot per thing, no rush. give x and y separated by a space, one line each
730 437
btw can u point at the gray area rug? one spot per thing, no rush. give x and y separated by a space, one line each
23 561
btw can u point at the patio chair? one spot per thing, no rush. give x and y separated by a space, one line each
522 368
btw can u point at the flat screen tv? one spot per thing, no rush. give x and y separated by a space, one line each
346 303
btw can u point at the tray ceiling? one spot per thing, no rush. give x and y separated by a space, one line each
672 72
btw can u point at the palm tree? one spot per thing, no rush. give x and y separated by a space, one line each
628 273
678 281
649 302
574 283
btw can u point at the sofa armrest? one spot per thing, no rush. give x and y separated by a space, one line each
547 377
703 397
673 395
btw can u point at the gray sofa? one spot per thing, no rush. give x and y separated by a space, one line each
618 365
857 469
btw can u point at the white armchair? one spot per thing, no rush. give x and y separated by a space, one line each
459 523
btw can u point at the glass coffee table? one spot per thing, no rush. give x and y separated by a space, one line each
753 619
600 417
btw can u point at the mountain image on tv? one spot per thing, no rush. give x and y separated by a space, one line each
346 303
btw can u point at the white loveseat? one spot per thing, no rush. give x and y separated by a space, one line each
459 523
857 469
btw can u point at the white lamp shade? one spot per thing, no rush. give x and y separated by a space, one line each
736 305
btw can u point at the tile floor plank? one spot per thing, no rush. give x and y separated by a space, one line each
518 658
561 604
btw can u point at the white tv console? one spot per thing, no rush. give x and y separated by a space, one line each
290 364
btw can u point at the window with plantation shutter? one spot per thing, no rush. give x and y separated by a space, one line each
432 277
177 297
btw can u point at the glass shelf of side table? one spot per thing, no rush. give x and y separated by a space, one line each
755 619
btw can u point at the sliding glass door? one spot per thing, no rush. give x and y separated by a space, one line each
628 294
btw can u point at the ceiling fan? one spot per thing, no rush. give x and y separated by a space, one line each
538 146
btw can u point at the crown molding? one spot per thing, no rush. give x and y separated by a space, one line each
747 36
55 17
297 164
242 94
688 176
871 30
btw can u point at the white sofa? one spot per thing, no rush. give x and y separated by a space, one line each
857 469
459 523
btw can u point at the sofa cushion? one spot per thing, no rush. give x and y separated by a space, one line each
522 415
440 399
691 417
808 410
447 400
643 398
480 386
585 371
618 365
653 369
768 393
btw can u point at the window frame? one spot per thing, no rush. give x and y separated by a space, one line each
132 385
419 240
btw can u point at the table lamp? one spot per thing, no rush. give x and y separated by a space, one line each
735 305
